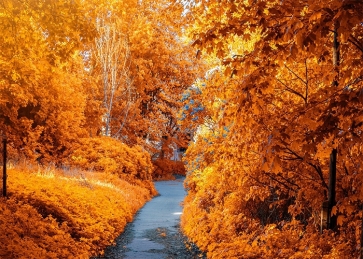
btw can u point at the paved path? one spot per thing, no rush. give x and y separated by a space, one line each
154 234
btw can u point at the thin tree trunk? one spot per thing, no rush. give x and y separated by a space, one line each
332 222
332 219
112 53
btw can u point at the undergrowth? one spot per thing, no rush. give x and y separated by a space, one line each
53 213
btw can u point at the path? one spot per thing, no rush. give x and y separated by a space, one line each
154 234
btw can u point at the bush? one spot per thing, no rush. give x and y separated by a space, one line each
108 155
165 169
65 214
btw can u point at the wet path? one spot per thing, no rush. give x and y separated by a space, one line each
154 234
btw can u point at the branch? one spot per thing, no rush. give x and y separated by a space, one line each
288 181
317 168
291 90
291 71
284 184
356 43
258 181
357 80
346 170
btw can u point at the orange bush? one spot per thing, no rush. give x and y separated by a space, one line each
64 214
105 154
165 169
223 224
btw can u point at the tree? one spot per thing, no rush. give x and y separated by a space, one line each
277 117
113 58
41 69
161 68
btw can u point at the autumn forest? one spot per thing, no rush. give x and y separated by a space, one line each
99 99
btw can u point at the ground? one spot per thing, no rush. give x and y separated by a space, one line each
155 231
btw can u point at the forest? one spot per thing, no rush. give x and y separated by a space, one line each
266 97
89 96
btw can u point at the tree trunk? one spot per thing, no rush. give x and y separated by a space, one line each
4 167
361 236
332 219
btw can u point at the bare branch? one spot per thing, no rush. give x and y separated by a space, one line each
113 56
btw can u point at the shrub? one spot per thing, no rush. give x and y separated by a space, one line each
62 214
165 169
108 155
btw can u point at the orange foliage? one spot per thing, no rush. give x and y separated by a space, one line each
64 214
42 95
54 90
276 103
54 99
108 155
162 66
166 168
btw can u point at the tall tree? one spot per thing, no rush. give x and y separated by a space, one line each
161 68
277 117
113 62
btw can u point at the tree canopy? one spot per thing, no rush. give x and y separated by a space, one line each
285 93
75 69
